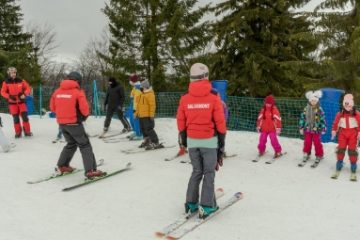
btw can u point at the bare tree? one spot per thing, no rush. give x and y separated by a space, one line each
92 66
44 43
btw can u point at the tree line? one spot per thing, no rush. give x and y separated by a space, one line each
260 46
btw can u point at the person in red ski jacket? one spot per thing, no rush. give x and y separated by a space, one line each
15 90
269 124
71 107
347 126
202 128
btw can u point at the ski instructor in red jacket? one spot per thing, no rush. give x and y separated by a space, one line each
71 107
202 128
15 90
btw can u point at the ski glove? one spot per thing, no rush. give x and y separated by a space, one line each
182 139
220 151
301 131
278 131
22 96
333 135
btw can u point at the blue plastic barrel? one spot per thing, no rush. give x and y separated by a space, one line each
29 104
221 87
330 104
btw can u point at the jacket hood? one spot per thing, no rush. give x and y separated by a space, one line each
200 88
69 84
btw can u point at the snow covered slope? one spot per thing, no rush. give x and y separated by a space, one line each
281 201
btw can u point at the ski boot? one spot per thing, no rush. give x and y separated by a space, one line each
353 177
65 169
317 161
191 208
94 174
153 146
277 155
145 143
28 134
18 135
205 211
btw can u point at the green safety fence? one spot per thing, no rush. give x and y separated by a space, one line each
243 111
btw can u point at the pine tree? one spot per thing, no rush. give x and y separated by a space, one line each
16 44
341 40
152 36
263 47
12 38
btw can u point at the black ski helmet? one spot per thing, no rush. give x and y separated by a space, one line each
75 76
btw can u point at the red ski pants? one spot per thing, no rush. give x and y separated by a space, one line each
309 139
347 138
17 110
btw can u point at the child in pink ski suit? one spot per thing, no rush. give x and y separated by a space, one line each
312 124
269 124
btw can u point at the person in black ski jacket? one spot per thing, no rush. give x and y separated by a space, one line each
114 102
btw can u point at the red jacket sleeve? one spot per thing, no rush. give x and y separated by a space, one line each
52 103
335 125
180 117
357 116
259 118
26 88
277 118
83 104
4 90
219 117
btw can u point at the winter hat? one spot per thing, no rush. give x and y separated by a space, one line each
75 76
133 78
145 84
199 71
348 101
313 95
11 69
270 100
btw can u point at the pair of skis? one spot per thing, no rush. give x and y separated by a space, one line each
270 161
336 175
189 222
306 159
86 181
111 135
142 150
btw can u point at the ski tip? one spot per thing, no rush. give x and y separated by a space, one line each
171 238
220 190
239 195
159 234
128 164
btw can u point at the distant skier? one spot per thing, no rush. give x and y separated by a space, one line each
15 90
145 111
71 107
202 128
347 126
114 101
312 124
134 95
269 124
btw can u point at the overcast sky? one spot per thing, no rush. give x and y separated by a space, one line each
75 21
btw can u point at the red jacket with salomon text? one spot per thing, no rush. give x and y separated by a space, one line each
69 103
201 112
12 89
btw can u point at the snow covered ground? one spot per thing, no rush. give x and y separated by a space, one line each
281 201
